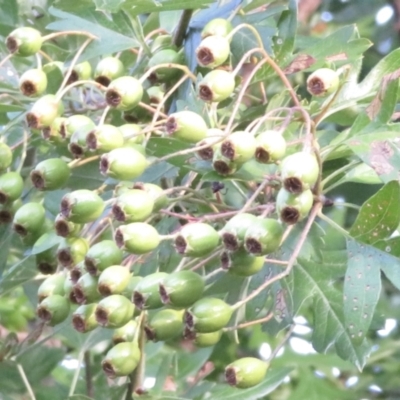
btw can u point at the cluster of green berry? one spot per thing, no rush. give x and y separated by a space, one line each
92 280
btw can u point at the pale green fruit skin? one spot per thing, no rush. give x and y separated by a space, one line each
82 71
166 56
121 360
196 239
137 237
124 164
156 94
208 315
101 256
223 165
239 147
104 138
207 339
248 372
108 69
85 289
187 126
267 232
124 93
133 206
53 309
217 46
114 311
165 325
7 211
66 228
235 229
11 187
72 250
181 289
44 111
50 174
5 156
323 82
217 27
213 139
35 77
125 333
146 295
216 86
30 217
241 263
84 319
28 40
54 284
157 194
270 147
299 172
53 132
288 204
132 133
76 123
113 280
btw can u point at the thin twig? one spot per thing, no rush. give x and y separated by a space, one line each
26 382
181 29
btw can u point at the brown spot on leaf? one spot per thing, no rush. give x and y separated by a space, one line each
381 152
302 61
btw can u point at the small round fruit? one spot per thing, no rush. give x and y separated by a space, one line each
25 41
241 263
44 111
207 339
246 372
132 134
81 71
53 309
5 156
126 333
77 271
263 237
104 138
133 206
114 311
66 228
270 147
223 165
165 325
208 315
213 51
71 251
216 86
50 174
7 211
293 208
217 27
124 93
54 284
84 319
101 256
165 74
75 123
52 133
187 126
146 294
82 206
137 237
233 233
11 187
121 360
29 219
33 82
85 290
162 42
299 172
213 138
124 164
113 280
239 147
157 194
323 82
196 239
108 69
181 289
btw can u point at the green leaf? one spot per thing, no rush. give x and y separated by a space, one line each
273 379
287 27
149 6
21 272
329 325
45 242
362 287
379 215
108 5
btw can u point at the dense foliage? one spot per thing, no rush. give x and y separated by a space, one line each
198 200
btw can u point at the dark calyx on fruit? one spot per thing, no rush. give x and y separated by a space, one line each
262 155
103 80
290 215
62 228
230 241
79 323
171 125
5 217
104 165
118 213
205 93
230 375
3 197
206 154
20 230
12 44
64 257
28 88
188 320
32 120
293 185
139 300
253 246
73 77
205 56
44 314
227 150
101 316
91 140
180 244
164 295
222 167
65 208
76 150
316 86
113 98
225 260
37 180
150 333
46 268
119 238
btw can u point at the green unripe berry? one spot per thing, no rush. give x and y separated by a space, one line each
114 311
113 280
133 282
263 237
53 132
126 333
293 208
165 325
187 126
132 134
71 251
84 319
239 147
165 56
50 174
44 111
216 86
5 156
196 239
108 69
213 139
156 94
146 294
223 165
270 147
104 138
246 372
24 41
213 51
323 82
157 194
29 219
77 271
53 309
33 82
124 164
217 27
11 187
81 71
233 233
124 93
78 143
76 123
53 65
33 236
66 228
181 289
241 263
208 315
121 360
7 211
69 291
299 172
162 42
137 238
133 206
82 206
54 284
101 256
207 339
85 290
